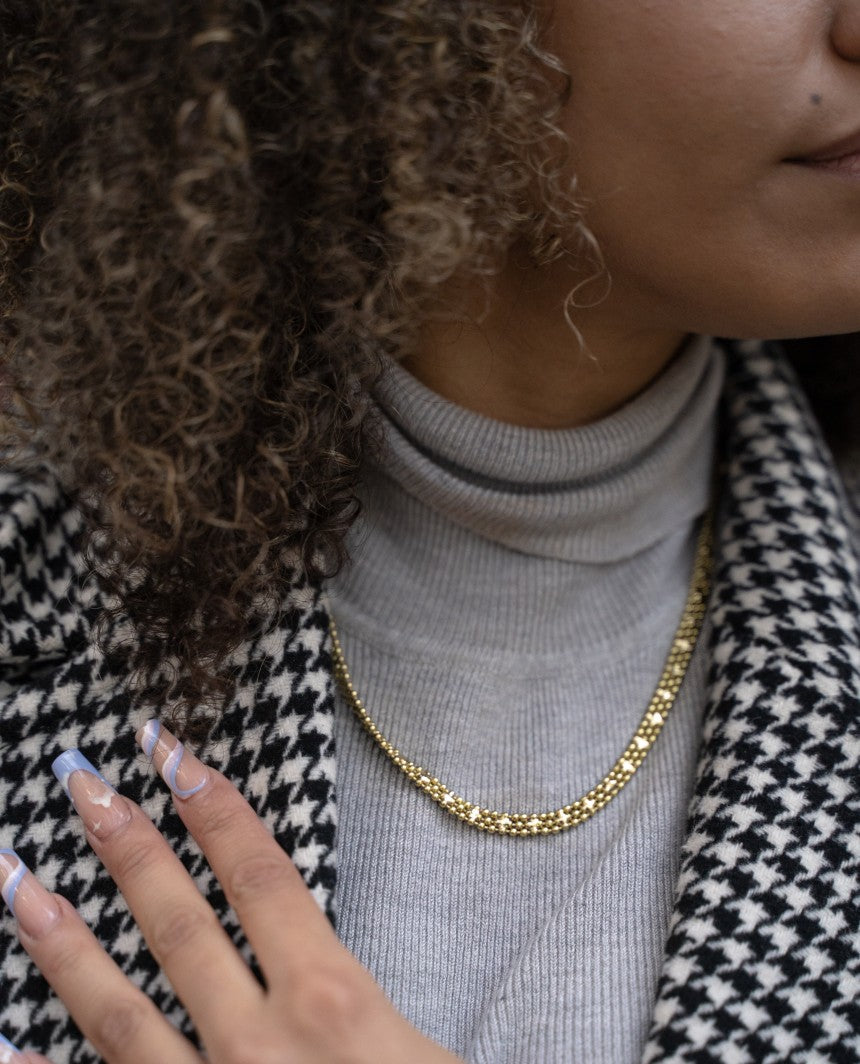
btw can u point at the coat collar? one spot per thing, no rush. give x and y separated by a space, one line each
762 956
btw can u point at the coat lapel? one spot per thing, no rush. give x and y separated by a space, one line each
57 690
762 961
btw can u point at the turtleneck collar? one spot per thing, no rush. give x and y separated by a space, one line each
595 494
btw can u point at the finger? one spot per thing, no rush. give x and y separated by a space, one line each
20 1056
10 1054
281 920
119 1020
178 924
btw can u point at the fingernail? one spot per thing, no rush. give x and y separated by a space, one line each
8 1052
183 773
100 807
28 901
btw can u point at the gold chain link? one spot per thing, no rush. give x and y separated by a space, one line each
569 816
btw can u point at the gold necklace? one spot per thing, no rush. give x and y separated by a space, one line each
569 816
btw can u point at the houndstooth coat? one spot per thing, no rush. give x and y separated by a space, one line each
762 960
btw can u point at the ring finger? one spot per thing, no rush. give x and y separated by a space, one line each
119 1020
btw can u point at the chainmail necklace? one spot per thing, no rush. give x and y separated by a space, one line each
580 810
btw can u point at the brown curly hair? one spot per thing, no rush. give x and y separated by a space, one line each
216 218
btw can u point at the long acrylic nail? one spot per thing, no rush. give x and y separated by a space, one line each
8 1053
183 773
101 808
33 907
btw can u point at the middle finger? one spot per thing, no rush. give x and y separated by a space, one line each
283 923
179 926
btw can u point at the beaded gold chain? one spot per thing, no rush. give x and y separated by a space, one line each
569 816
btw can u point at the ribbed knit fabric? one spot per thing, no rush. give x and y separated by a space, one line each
506 618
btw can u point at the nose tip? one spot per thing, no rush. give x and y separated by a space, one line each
845 32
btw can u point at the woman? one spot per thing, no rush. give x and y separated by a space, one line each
460 263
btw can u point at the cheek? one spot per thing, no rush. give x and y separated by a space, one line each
664 103
673 170
772 263
680 116
682 97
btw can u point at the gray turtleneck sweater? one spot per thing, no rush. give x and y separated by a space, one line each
506 617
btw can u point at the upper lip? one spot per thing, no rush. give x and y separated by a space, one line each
837 150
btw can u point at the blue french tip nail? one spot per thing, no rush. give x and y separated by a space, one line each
67 763
11 882
8 1052
149 738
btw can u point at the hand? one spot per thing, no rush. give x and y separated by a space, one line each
319 1005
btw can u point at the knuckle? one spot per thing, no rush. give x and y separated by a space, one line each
134 857
178 928
119 1025
63 961
247 1049
330 1002
63 951
218 815
257 876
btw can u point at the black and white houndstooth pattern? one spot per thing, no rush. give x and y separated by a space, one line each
763 959
56 691
762 963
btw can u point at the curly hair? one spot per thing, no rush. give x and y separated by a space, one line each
216 219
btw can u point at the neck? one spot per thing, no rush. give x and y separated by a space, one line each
512 356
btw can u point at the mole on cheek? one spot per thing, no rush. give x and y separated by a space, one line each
815 98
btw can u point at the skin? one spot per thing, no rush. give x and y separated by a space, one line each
682 117
334 1014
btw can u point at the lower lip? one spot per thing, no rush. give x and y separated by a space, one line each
847 166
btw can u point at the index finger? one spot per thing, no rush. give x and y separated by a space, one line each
278 914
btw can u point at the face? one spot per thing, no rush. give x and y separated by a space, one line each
684 117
